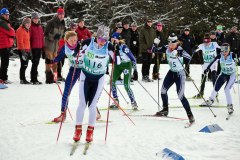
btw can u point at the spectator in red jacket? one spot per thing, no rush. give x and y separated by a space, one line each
37 46
82 31
23 46
7 35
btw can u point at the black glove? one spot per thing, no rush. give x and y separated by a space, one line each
24 55
57 36
48 61
206 71
135 75
30 56
43 54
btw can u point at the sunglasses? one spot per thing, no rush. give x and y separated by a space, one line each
225 48
102 40
172 41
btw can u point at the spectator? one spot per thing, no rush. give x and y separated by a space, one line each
187 45
23 47
146 39
54 31
233 38
134 42
126 33
82 31
7 35
157 58
220 35
37 46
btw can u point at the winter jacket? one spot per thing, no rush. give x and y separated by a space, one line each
53 32
36 36
146 38
134 43
234 40
126 35
187 43
7 34
23 38
83 33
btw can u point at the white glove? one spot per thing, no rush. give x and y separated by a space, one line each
157 41
174 53
153 55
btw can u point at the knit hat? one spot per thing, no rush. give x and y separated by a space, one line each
187 29
73 25
134 24
60 11
103 32
4 11
172 38
35 15
26 20
119 25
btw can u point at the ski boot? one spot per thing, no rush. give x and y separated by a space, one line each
60 118
230 108
89 136
78 133
198 96
113 105
163 112
146 79
208 103
134 105
191 118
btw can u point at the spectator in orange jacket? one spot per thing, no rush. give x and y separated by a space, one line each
82 31
7 35
23 47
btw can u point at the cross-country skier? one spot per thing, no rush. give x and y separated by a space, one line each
228 75
209 51
175 56
95 61
71 49
128 62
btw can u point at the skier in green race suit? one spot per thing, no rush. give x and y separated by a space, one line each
126 62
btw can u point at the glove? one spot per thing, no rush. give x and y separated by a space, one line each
43 54
206 71
157 41
153 55
57 36
135 75
163 56
48 61
174 53
24 55
30 56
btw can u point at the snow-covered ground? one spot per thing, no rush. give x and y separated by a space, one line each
25 109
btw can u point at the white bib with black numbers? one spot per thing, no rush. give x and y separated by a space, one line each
95 60
209 52
228 65
175 62
73 59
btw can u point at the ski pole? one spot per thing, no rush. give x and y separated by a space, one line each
59 88
110 90
116 103
148 93
196 88
74 70
237 80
